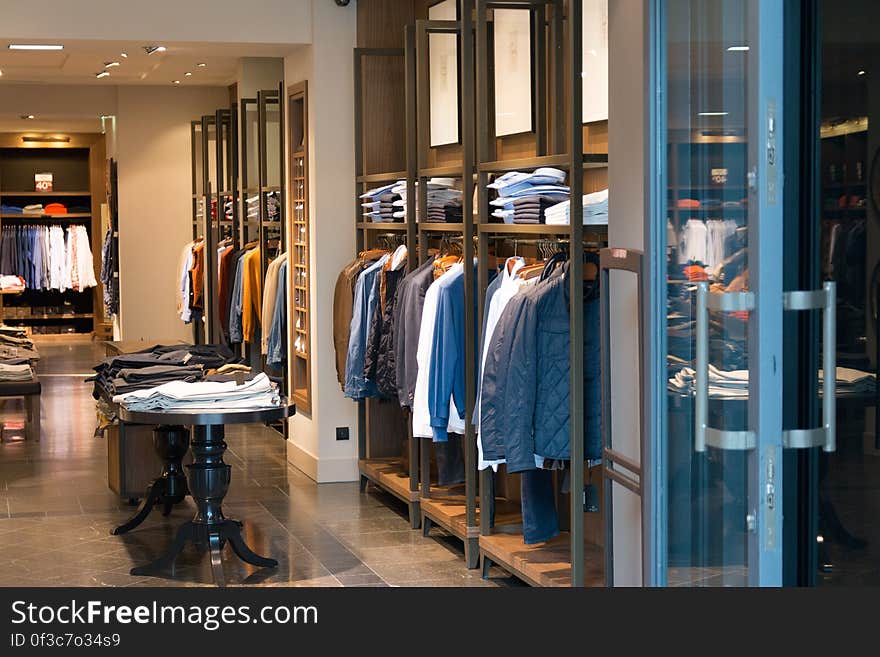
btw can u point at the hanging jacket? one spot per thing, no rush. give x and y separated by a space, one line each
379 364
407 320
526 402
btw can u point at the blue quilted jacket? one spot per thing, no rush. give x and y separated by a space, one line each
526 388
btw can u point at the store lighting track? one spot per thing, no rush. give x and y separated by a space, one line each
153 49
35 46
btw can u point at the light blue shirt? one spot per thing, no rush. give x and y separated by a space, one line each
277 347
235 330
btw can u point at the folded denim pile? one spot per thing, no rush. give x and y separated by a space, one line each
523 198
595 210
378 203
257 394
12 371
157 365
15 344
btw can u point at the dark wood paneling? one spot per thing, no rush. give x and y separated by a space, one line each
384 106
381 22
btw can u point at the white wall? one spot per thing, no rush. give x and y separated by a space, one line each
207 21
626 208
328 67
155 192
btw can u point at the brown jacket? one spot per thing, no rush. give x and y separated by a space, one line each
343 300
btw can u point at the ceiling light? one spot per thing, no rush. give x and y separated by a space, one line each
737 49
1 73
35 46
175 82
151 49
712 113
110 64
27 117
102 74
45 139
862 72
201 64
124 55
187 74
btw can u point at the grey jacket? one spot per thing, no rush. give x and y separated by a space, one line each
406 321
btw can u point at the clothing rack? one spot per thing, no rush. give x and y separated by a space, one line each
388 457
570 559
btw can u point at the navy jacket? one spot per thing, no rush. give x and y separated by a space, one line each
527 400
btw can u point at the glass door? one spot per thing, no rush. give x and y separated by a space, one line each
832 244
721 72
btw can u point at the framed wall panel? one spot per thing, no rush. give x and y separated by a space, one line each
512 50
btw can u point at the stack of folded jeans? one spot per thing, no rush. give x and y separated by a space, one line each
11 371
523 198
15 343
258 393
141 378
595 210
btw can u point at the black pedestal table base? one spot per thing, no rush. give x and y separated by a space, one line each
170 443
208 478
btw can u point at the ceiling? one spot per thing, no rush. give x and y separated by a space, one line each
80 61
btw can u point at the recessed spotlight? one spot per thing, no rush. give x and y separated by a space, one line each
862 72
151 49
110 64
28 117
201 64
124 55
35 46
737 49
1 74
188 74
102 74
175 82
712 113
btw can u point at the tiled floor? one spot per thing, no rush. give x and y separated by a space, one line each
56 511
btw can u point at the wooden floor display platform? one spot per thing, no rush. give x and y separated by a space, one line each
390 475
447 508
545 564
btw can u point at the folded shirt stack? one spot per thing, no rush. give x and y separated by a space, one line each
9 209
444 201
253 208
595 210
14 283
134 378
258 393
15 372
35 208
524 197
379 204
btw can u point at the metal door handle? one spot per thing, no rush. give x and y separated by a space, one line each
826 301
824 436
704 434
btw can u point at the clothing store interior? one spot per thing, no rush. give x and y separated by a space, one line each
237 320
232 288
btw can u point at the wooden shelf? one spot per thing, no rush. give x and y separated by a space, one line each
270 188
389 475
440 227
5 193
545 564
590 161
381 225
36 217
451 171
391 176
525 229
8 317
447 507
